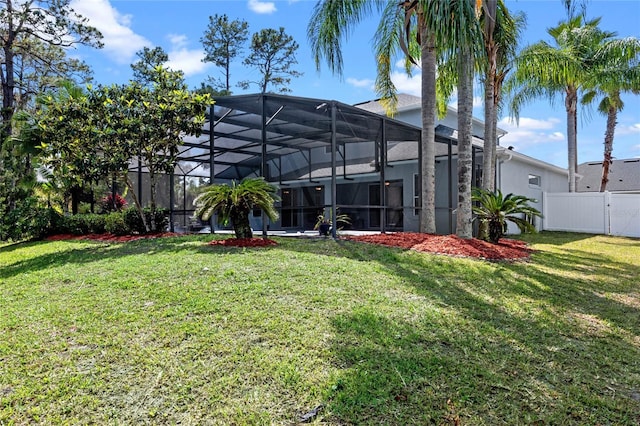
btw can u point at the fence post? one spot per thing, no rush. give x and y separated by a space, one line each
544 210
607 213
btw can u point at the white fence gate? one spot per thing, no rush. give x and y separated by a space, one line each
592 212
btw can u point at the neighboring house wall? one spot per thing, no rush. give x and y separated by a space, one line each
522 175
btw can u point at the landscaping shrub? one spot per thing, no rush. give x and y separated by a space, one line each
26 221
110 204
115 224
96 223
135 224
79 224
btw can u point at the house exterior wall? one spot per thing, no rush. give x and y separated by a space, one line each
513 177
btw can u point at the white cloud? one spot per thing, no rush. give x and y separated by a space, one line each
405 84
261 7
178 41
184 59
529 123
120 41
364 82
628 130
530 132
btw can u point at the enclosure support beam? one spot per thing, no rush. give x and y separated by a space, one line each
171 201
140 179
420 194
212 158
263 165
334 186
383 188
450 184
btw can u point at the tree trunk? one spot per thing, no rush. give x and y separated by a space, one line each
571 105
240 222
490 118
490 98
428 138
612 117
464 228
152 199
136 202
75 191
8 77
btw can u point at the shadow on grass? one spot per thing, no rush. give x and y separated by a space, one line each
77 252
469 341
552 340
479 359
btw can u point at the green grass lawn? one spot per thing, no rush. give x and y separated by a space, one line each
175 331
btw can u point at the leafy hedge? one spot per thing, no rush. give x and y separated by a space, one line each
80 224
133 220
126 222
27 220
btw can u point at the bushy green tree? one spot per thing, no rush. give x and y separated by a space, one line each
27 27
98 134
273 54
223 41
148 60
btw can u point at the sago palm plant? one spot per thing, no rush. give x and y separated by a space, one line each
234 202
496 209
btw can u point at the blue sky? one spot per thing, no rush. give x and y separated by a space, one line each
177 26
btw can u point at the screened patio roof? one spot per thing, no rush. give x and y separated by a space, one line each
245 132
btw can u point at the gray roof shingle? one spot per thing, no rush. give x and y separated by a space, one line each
624 175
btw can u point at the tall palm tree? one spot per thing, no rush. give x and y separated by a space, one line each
418 28
543 70
501 32
234 203
402 27
618 71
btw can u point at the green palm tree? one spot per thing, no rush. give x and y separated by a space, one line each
421 29
402 27
235 202
618 71
563 69
496 210
501 32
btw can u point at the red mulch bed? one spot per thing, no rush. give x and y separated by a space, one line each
109 237
450 245
244 242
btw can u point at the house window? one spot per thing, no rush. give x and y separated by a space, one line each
535 180
416 194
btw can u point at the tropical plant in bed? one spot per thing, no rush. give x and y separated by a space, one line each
496 209
325 222
234 202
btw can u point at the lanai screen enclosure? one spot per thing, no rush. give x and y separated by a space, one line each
325 156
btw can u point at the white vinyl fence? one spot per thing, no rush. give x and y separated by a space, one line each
592 212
